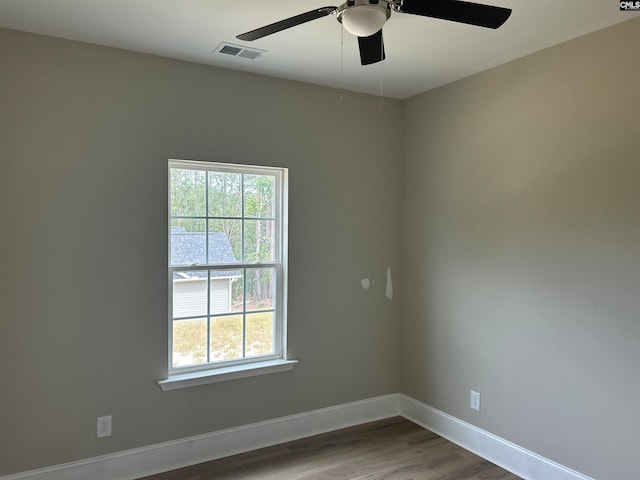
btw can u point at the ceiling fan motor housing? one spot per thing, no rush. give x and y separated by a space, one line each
364 18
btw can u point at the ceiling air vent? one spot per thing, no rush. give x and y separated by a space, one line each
239 51
230 50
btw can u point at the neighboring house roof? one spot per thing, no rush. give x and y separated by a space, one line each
188 248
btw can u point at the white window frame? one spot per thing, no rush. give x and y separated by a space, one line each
181 377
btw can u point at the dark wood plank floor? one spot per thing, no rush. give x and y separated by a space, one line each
392 449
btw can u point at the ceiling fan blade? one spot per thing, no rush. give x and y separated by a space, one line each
371 48
458 11
287 23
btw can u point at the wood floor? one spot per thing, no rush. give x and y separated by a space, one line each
392 449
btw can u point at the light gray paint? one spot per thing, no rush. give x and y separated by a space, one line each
522 251
85 136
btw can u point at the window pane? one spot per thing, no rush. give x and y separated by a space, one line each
259 196
225 241
225 194
226 338
226 291
187 241
259 334
259 288
189 342
222 224
187 192
259 240
189 294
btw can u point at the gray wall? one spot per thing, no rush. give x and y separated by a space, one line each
522 251
85 135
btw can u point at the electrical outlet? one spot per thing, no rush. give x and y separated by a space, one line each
475 400
104 426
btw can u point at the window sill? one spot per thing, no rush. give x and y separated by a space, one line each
193 379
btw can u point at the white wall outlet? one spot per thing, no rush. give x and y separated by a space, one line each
475 400
104 426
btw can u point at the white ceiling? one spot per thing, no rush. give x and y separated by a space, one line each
422 53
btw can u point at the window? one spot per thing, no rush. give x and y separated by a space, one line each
227 265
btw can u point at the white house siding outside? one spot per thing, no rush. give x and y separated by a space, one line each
190 296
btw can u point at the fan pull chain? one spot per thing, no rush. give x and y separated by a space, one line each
341 62
381 101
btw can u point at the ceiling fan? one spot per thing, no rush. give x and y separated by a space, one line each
365 18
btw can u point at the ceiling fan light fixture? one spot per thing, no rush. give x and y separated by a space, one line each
364 20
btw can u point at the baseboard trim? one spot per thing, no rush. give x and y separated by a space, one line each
162 457
511 457
140 462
